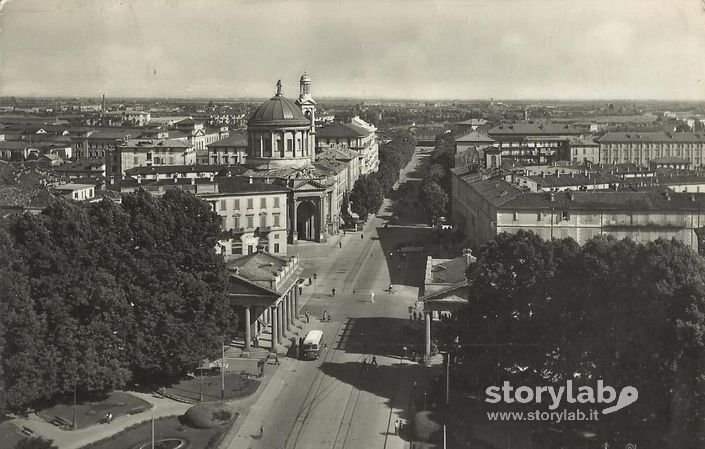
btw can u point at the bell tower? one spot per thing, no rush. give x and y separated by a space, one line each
308 106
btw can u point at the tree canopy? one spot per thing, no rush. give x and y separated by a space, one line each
100 295
628 313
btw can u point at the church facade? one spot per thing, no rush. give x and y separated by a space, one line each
281 144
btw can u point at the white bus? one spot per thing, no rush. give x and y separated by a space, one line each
312 344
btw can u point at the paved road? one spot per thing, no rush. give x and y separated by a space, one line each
333 402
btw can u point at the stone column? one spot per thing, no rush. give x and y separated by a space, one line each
275 328
296 302
248 331
428 335
280 322
285 315
289 311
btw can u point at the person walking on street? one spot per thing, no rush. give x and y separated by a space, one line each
372 297
340 244
391 287
261 431
396 427
364 364
362 236
308 317
276 358
325 315
333 291
301 290
374 361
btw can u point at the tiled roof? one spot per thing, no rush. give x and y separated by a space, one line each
449 271
171 169
235 140
575 179
258 266
608 200
475 137
154 143
243 185
337 130
474 122
652 137
115 133
80 164
496 190
517 129
582 142
669 160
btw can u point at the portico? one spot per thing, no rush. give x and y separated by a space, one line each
264 287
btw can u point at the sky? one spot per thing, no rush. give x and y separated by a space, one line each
405 49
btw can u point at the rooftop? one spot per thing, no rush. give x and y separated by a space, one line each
235 140
641 201
337 130
516 129
652 137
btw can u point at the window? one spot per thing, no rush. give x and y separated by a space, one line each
75 195
236 204
135 160
225 160
276 220
237 247
267 147
263 221
276 201
236 222
290 146
276 248
250 222
223 204
171 160
515 216
565 216
250 203
263 203
249 249
538 216
149 156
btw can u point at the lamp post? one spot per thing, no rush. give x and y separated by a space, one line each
73 419
222 370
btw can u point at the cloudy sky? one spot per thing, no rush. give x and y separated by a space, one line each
459 49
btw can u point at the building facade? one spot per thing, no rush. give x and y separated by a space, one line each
147 153
642 148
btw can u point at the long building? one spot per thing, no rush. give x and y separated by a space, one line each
642 148
484 205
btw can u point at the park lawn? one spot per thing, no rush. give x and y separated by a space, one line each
236 386
9 435
91 412
164 428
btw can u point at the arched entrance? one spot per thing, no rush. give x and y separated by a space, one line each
306 226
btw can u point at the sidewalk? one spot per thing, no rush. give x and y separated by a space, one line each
74 439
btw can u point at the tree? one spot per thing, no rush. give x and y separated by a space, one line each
105 294
433 199
367 195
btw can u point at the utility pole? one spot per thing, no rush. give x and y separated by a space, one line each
153 407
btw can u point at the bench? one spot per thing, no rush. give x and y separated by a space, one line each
137 410
61 422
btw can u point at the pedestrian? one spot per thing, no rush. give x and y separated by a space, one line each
374 361
301 290
391 287
261 431
109 418
340 244
372 297
310 281
343 231
256 341
396 427
308 317
333 291
414 315
325 315
276 358
364 364
362 236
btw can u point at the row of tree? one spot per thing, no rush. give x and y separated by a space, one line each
631 314
434 192
369 190
94 297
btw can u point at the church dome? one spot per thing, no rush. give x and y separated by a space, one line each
278 111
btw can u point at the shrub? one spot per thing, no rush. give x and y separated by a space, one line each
35 443
208 416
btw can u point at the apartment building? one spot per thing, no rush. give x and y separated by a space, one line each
642 148
147 153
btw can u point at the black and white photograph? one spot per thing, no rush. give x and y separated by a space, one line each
352 224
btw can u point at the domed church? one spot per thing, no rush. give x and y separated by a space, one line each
281 148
